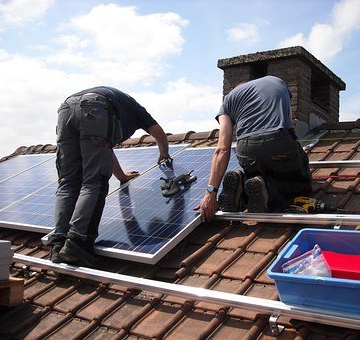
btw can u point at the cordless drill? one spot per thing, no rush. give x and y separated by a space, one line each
311 205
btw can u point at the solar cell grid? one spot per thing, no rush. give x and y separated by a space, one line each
27 182
36 209
20 163
29 198
140 224
139 159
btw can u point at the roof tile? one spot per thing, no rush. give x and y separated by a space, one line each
243 265
229 256
196 325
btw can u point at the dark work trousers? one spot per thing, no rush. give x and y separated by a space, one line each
84 163
280 160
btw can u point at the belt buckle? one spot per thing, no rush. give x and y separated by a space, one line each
95 94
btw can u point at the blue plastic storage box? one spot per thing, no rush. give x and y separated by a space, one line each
323 292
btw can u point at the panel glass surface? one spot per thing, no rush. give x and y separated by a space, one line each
29 198
27 182
20 163
139 159
34 210
140 224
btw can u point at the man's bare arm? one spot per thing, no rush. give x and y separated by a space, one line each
220 161
161 140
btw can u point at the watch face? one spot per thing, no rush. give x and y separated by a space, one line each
210 188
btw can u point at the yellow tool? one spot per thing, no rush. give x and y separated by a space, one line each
310 205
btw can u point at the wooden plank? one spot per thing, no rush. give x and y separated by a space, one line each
12 292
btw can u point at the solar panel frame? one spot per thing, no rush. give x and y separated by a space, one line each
136 253
34 208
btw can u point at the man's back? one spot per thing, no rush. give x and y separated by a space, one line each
258 107
130 114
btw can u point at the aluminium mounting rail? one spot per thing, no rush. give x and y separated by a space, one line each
275 308
335 164
318 219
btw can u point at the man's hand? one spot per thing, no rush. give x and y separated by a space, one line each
165 162
163 157
207 207
128 176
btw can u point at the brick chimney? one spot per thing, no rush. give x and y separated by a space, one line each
314 87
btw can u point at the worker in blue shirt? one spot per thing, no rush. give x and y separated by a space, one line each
89 124
274 165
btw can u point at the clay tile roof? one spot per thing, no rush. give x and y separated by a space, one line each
226 256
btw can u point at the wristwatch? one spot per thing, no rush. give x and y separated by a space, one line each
211 189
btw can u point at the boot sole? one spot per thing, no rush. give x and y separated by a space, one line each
255 192
229 197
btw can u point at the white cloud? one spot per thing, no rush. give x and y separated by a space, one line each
28 107
326 40
243 32
17 12
183 126
176 107
116 43
109 45
121 34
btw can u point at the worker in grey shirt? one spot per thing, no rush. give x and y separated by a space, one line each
90 123
273 162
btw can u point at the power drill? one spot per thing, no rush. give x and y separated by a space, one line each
311 205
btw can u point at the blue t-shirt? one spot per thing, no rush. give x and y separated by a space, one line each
130 115
258 107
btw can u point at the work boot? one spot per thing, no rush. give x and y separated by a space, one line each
54 254
230 196
258 196
72 253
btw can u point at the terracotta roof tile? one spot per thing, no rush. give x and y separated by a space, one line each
233 328
160 320
227 256
197 324
212 262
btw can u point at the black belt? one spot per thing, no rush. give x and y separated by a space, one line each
272 135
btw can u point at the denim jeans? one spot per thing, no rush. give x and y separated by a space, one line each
280 159
84 164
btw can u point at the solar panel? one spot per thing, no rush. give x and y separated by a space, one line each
139 159
26 182
27 200
35 212
18 164
142 225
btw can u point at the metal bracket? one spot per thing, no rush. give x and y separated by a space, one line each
274 327
26 271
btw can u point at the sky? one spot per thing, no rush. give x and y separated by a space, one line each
164 53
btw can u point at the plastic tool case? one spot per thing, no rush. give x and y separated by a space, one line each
324 292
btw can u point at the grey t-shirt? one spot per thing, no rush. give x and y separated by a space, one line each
258 107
